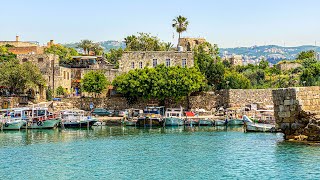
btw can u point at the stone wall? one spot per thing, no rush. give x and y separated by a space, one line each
189 44
48 64
210 101
141 59
297 112
17 43
26 50
242 97
285 66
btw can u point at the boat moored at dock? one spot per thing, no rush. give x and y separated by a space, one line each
151 117
173 117
250 126
76 119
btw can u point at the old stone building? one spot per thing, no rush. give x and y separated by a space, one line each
141 59
188 44
48 64
285 66
23 47
234 60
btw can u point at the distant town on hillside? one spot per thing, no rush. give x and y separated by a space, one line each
250 55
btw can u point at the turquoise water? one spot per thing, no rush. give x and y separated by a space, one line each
171 153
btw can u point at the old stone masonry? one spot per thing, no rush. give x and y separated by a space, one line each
297 112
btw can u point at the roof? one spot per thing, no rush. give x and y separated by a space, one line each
84 57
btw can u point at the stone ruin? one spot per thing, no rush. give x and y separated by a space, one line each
297 112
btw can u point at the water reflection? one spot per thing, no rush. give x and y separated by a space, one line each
27 137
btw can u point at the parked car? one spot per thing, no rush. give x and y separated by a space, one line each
101 112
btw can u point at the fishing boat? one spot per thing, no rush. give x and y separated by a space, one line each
219 122
12 119
151 117
235 122
205 122
233 117
250 126
41 118
76 119
173 117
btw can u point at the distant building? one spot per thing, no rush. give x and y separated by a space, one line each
140 59
23 47
234 60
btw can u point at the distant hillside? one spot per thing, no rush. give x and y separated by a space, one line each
107 45
272 53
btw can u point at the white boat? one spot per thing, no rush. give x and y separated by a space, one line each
76 119
174 117
13 119
250 126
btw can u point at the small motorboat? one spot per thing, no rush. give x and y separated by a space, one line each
250 126
219 122
205 122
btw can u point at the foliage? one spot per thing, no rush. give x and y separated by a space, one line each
60 91
180 24
5 55
85 45
97 49
18 77
113 56
234 80
49 94
160 82
65 53
143 42
311 75
306 55
94 82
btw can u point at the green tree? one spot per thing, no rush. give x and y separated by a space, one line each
306 55
86 45
5 55
60 91
113 56
168 46
94 82
97 49
19 77
234 80
311 75
180 24
143 42
160 82
65 53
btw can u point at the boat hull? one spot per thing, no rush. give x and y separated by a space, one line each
130 123
81 124
149 122
219 123
191 123
204 122
173 122
260 128
15 125
48 124
235 122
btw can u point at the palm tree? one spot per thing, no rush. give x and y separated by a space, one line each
180 23
97 49
85 45
168 46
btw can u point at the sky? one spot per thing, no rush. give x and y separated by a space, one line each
228 23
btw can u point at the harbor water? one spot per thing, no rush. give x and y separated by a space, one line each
159 153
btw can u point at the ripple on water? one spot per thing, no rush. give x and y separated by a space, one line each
171 153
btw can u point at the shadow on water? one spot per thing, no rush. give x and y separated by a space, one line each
28 137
